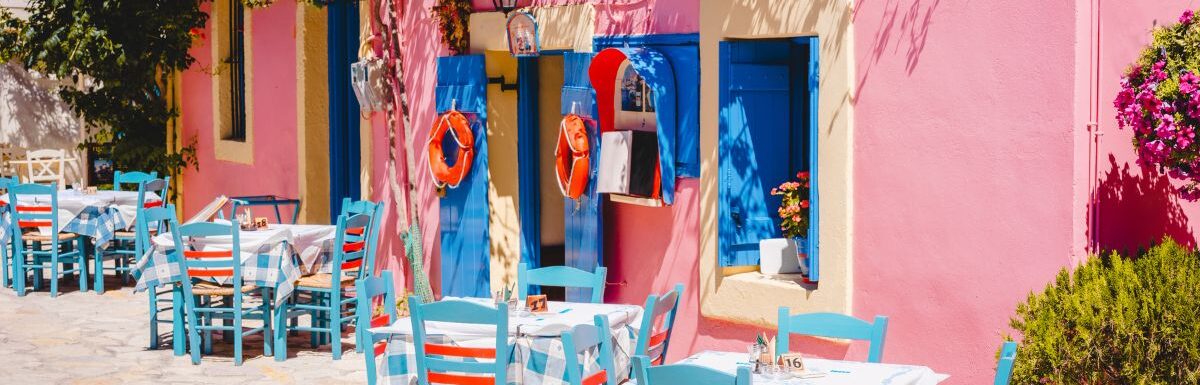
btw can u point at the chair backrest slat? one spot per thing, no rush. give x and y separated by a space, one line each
562 276
26 215
132 177
832 325
583 338
367 233
659 316
210 263
349 251
432 369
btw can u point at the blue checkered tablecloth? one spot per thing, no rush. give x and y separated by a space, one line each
99 223
536 357
268 265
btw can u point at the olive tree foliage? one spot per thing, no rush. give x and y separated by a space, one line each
115 57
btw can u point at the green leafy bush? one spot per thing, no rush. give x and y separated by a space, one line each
1115 320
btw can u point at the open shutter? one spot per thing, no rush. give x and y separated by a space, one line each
462 84
810 46
584 224
754 145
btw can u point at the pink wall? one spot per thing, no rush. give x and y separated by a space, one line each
962 171
274 89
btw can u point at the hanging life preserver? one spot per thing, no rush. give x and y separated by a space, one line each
456 124
572 157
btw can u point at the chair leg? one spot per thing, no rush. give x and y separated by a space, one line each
193 335
314 322
83 271
19 273
178 333
3 264
237 331
54 275
154 318
335 321
267 334
281 331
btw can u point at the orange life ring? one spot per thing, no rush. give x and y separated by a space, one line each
456 124
572 157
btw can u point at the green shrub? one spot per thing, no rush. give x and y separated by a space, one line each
1115 320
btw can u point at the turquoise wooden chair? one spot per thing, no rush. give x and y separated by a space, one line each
433 365
131 177
582 338
1004 368
655 333
6 243
372 210
685 374
206 301
127 247
832 325
62 251
170 299
561 276
328 302
371 292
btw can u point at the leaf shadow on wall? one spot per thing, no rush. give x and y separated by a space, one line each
914 19
1136 211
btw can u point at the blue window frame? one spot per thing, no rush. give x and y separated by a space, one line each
682 51
767 132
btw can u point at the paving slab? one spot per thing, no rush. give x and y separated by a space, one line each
85 338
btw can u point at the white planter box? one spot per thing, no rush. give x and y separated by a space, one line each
778 256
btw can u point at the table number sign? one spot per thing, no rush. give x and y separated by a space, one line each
260 222
792 362
537 303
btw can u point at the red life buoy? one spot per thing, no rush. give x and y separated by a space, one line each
572 157
456 124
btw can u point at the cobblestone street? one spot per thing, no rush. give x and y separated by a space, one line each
84 338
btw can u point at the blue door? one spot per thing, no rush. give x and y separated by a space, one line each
767 115
461 84
342 39
584 224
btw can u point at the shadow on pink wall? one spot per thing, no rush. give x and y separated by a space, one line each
1137 210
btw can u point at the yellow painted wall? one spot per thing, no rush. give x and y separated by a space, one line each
751 298
550 82
503 190
312 114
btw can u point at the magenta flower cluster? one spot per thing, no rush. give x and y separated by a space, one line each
1162 107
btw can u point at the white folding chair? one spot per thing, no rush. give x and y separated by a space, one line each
45 166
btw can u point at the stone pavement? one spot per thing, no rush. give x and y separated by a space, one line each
84 338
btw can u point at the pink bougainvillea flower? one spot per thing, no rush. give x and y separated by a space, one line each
1186 17
802 175
804 203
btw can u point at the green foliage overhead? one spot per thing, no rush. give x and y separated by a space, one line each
1115 320
120 54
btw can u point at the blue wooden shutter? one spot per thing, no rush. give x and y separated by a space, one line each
754 146
462 83
810 47
584 224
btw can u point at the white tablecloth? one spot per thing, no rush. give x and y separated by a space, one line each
833 372
304 239
73 202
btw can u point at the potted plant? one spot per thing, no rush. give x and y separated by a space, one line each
785 255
